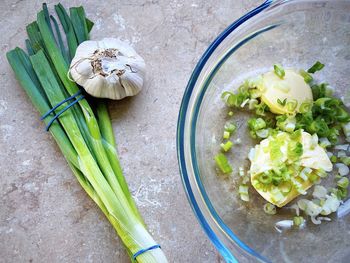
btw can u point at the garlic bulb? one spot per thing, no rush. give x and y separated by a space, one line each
108 68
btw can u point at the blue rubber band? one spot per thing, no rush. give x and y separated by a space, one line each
59 104
141 251
62 111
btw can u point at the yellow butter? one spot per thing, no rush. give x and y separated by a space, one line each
291 87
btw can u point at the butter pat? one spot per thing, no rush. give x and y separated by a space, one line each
291 87
314 157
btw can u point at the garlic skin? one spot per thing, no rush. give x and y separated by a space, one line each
109 68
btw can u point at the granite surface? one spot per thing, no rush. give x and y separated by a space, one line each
45 216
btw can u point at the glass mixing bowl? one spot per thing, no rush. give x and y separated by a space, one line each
296 34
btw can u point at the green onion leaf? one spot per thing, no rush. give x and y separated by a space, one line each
316 67
279 71
307 77
269 209
222 163
226 146
343 182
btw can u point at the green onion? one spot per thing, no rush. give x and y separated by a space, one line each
222 163
256 124
230 127
313 177
343 182
230 113
345 160
226 146
85 139
305 107
291 105
316 67
243 192
269 209
307 77
279 71
252 104
226 135
333 159
282 103
298 220
265 178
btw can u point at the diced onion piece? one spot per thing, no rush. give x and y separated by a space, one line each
269 209
241 171
341 154
264 133
244 103
251 154
315 220
284 224
343 147
330 205
344 209
324 142
346 129
237 141
329 154
342 169
319 191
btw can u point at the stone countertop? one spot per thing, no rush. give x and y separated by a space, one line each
45 216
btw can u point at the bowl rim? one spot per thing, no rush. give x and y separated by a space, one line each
218 243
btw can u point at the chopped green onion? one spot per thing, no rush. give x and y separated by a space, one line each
305 107
269 209
321 173
313 177
230 113
279 71
255 93
316 67
285 187
226 146
276 195
226 135
230 127
307 77
243 192
343 182
298 220
256 124
282 103
263 133
334 159
252 104
222 163
265 178
340 193
345 160
291 105
261 109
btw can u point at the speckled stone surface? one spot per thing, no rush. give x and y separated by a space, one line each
45 216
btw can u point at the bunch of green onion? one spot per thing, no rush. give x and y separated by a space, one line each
83 133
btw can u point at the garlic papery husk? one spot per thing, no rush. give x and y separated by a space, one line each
109 68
